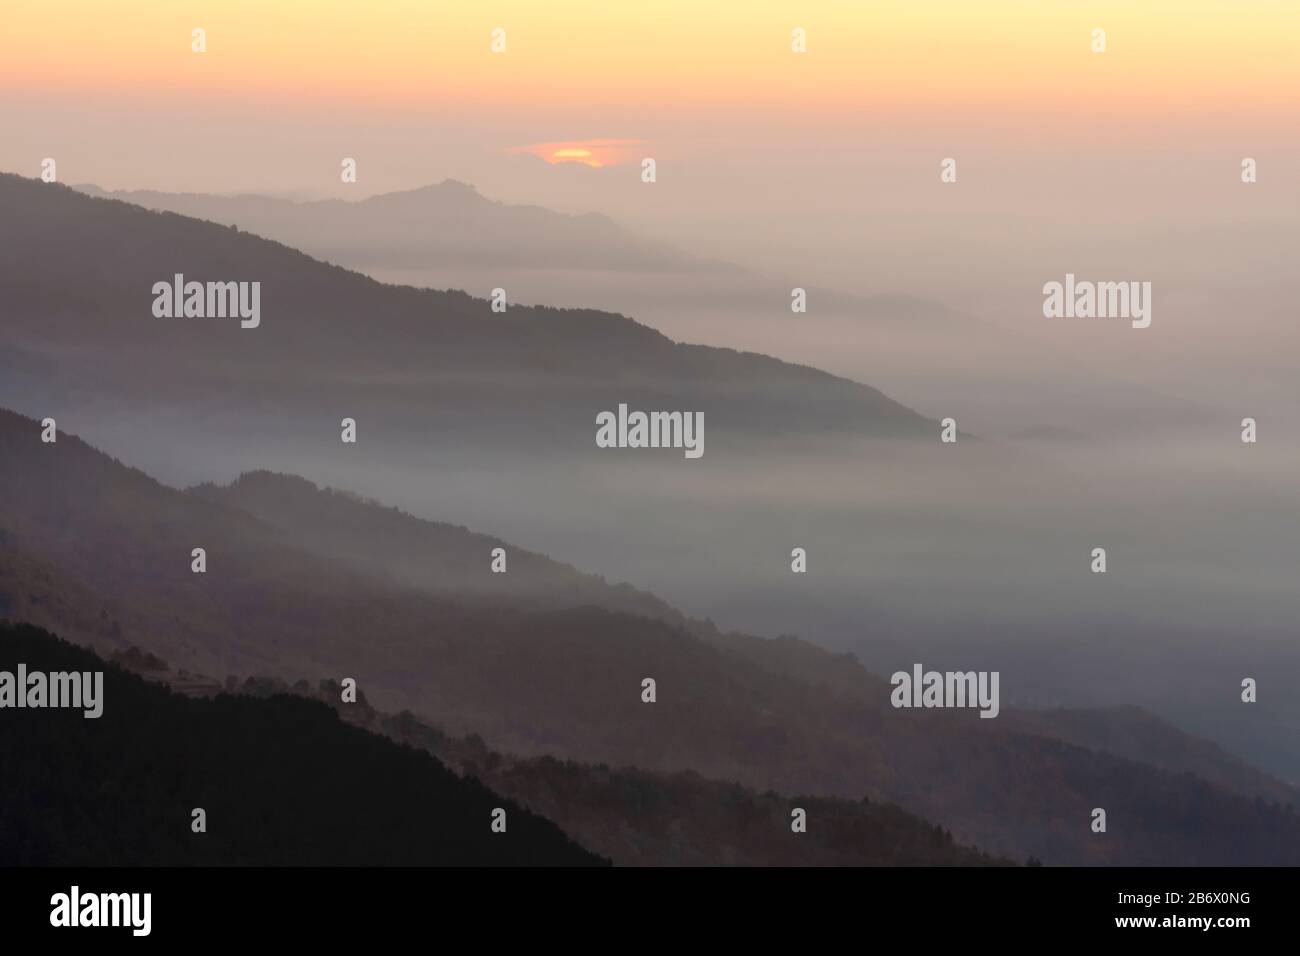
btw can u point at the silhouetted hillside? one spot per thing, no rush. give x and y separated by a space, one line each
102 553
282 781
449 223
1136 734
418 368
440 558
637 818
450 560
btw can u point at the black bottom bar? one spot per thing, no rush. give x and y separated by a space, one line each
377 905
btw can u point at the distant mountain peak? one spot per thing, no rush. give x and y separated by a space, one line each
448 189
456 185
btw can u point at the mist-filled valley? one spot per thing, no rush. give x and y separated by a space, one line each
969 556
976 554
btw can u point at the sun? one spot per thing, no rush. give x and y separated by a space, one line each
574 154
595 153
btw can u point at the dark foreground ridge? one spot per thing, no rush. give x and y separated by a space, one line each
283 781
639 818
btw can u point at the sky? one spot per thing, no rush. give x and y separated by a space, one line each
692 79
822 166
1025 56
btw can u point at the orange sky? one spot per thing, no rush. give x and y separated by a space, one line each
763 154
1018 56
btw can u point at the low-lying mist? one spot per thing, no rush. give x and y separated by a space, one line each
976 555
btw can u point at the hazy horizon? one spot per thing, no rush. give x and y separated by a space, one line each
850 239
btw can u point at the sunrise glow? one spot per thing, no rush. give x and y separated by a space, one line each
596 153
944 56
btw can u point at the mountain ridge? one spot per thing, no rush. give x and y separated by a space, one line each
517 234
530 379
76 527
280 780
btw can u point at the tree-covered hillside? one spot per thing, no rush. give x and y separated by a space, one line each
282 781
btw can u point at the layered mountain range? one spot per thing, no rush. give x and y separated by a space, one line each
544 660
535 660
